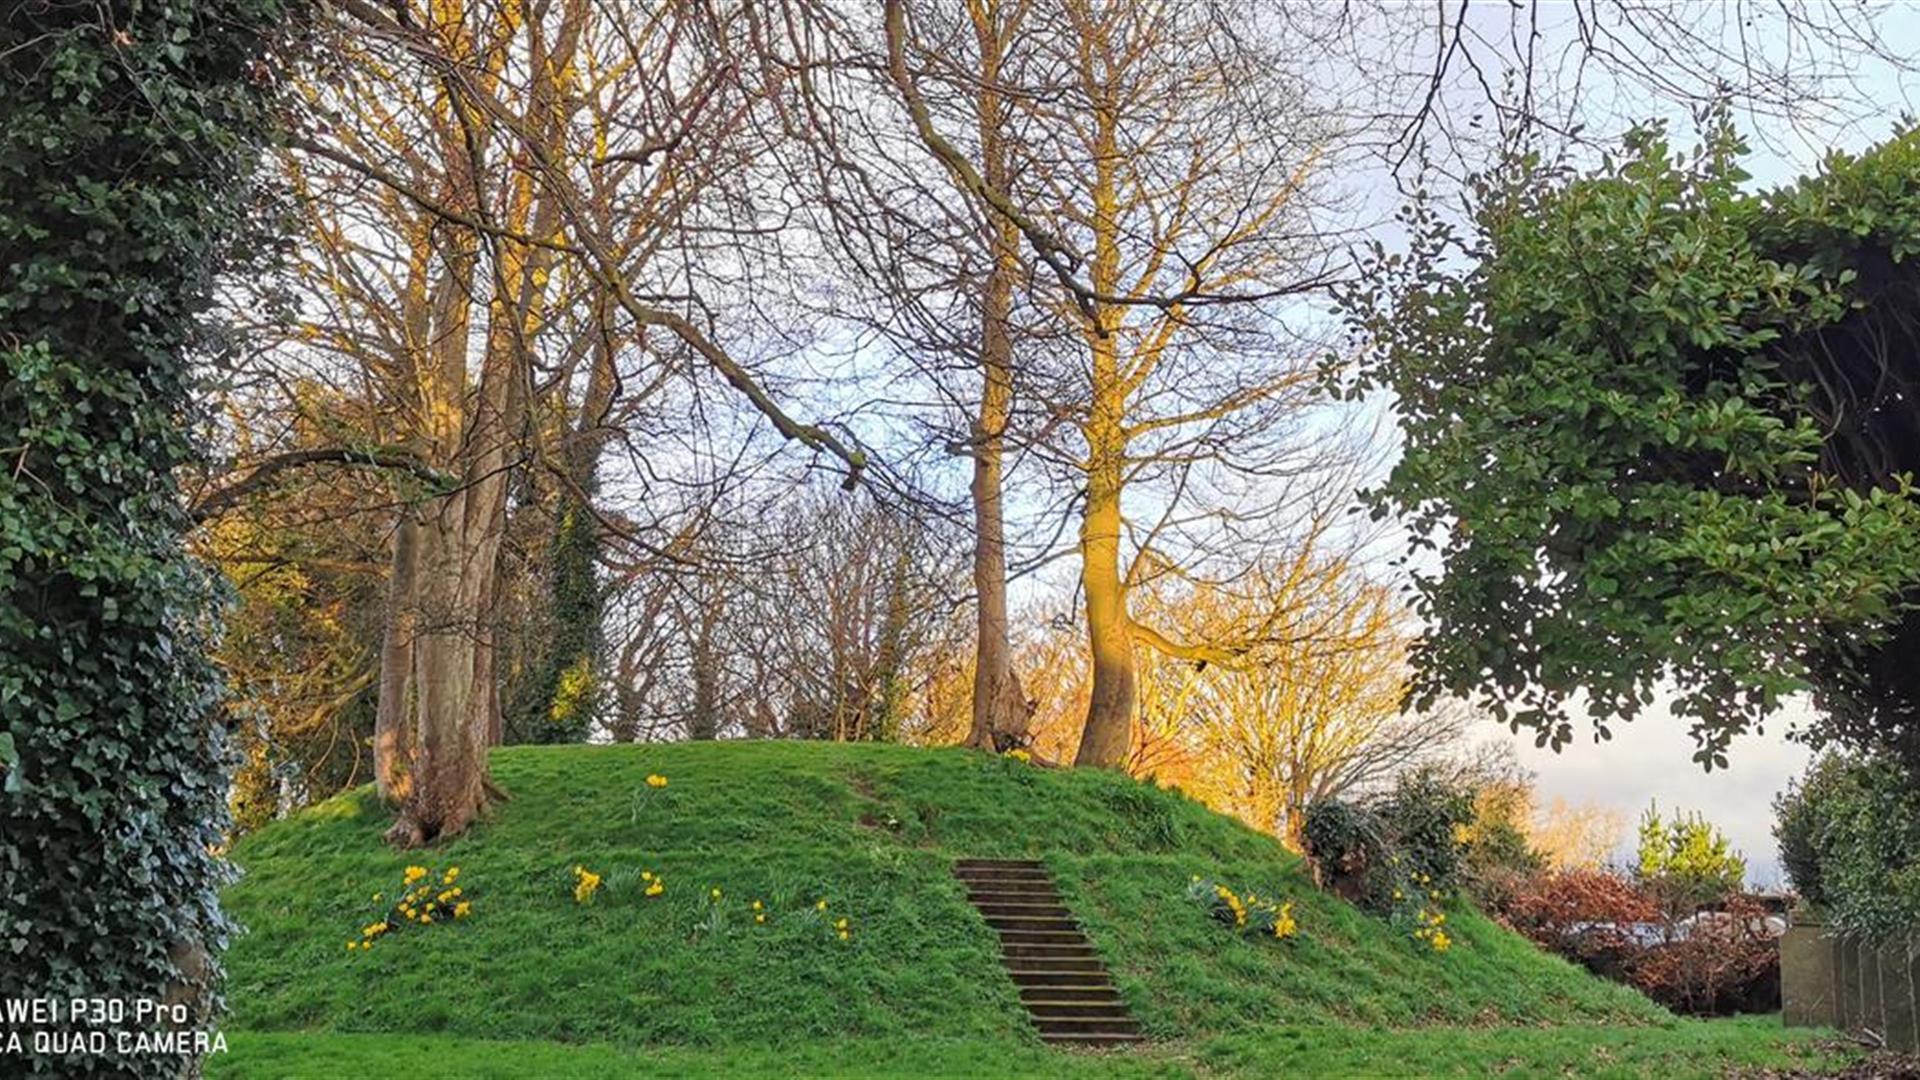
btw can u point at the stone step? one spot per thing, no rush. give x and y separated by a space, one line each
1021 909
1004 892
1086 1025
1045 994
1052 974
1003 873
1008 883
1067 1038
1059 923
1023 960
1063 983
1074 951
1010 936
1079 1010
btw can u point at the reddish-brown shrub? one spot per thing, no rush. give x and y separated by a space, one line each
1726 961
1712 963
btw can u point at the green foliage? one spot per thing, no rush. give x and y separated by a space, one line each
1850 840
1804 814
1392 852
1428 814
562 698
1635 436
127 132
1686 861
873 829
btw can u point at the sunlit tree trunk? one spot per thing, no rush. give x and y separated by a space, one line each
1110 707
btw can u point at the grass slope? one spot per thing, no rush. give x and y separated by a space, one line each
873 830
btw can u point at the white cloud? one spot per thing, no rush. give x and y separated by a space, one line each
1652 759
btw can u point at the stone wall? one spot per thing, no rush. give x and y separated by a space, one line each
1832 980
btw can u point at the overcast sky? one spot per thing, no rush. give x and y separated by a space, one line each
1651 759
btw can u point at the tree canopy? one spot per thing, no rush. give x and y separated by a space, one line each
1660 429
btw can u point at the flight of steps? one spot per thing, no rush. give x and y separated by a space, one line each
1062 981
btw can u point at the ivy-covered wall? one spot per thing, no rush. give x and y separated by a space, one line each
128 131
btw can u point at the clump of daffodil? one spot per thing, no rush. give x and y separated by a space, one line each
1018 754
1429 929
424 898
655 884
842 930
585 884
1284 925
655 780
1237 909
1250 913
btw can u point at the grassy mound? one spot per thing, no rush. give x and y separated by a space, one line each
873 831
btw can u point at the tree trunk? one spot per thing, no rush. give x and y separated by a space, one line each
453 662
1001 713
1109 729
392 724
1108 734
704 723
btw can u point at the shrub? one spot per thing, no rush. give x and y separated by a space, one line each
1704 964
1850 839
1427 817
1687 861
1349 849
1804 813
1410 840
1399 855
1726 961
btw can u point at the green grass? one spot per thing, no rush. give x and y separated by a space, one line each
1673 1052
533 984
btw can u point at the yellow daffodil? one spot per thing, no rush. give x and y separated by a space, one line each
352 945
655 780
714 892
843 935
415 873
821 906
757 906
841 925
452 875
760 919
462 909
656 888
